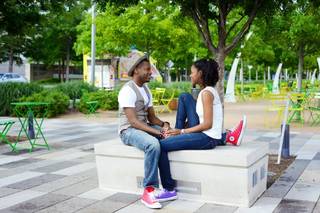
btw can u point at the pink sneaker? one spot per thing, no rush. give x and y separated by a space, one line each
148 198
235 136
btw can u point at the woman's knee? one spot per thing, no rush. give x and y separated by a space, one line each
184 96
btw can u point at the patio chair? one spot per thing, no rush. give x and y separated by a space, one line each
277 105
166 101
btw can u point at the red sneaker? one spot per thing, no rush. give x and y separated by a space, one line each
235 136
149 199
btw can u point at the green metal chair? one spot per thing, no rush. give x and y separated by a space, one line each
3 134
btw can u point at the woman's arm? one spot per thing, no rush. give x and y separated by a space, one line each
207 101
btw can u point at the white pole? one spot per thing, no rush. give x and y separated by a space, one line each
283 129
93 44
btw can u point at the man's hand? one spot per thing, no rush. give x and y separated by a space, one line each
166 126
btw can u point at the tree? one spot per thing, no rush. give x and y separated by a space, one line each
56 34
294 33
153 27
206 13
17 22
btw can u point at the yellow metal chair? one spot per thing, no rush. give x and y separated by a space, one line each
277 105
166 101
157 95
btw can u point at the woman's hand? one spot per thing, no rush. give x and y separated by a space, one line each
172 132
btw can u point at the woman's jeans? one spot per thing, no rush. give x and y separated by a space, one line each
190 141
149 144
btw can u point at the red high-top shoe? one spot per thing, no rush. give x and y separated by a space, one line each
235 136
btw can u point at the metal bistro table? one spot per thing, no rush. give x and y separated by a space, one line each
25 114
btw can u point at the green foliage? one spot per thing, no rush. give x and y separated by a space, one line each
17 24
176 87
75 89
107 100
58 102
48 81
11 92
154 27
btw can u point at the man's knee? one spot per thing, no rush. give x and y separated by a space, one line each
153 146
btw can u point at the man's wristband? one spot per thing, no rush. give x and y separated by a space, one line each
182 131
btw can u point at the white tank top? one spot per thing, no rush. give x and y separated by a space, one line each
216 129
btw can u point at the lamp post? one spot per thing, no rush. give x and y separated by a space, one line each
93 44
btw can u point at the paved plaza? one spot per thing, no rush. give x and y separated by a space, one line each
64 179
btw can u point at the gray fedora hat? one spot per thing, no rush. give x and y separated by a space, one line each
133 62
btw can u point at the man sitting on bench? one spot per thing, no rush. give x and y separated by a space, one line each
139 126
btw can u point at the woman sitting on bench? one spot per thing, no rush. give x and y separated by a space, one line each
204 124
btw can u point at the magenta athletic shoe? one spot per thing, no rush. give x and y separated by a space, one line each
165 195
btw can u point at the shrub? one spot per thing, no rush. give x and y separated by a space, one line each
58 102
11 92
75 89
108 100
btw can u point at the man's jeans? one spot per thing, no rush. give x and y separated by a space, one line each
151 147
189 141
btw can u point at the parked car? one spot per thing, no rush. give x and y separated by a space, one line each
12 77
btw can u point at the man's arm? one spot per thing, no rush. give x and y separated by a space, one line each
134 122
153 119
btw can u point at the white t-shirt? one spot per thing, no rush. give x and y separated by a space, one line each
127 97
216 129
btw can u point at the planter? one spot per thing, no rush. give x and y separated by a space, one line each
173 104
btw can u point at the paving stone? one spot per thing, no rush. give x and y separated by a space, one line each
38 203
278 189
36 181
79 188
63 182
111 204
138 207
124 197
85 139
7 191
272 134
312 173
65 155
96 194
56 166
317 156
265 139
18 197
86 159
214 208
317 207
301 191
70 205
293 172
281 186
18 177
262 205
76 169
294 206
183 206
306 155
10 159
24 162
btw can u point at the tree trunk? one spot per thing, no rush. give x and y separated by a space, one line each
300 66
62 71
10 61
59 70
220 85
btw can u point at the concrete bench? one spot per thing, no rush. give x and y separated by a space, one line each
226 175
